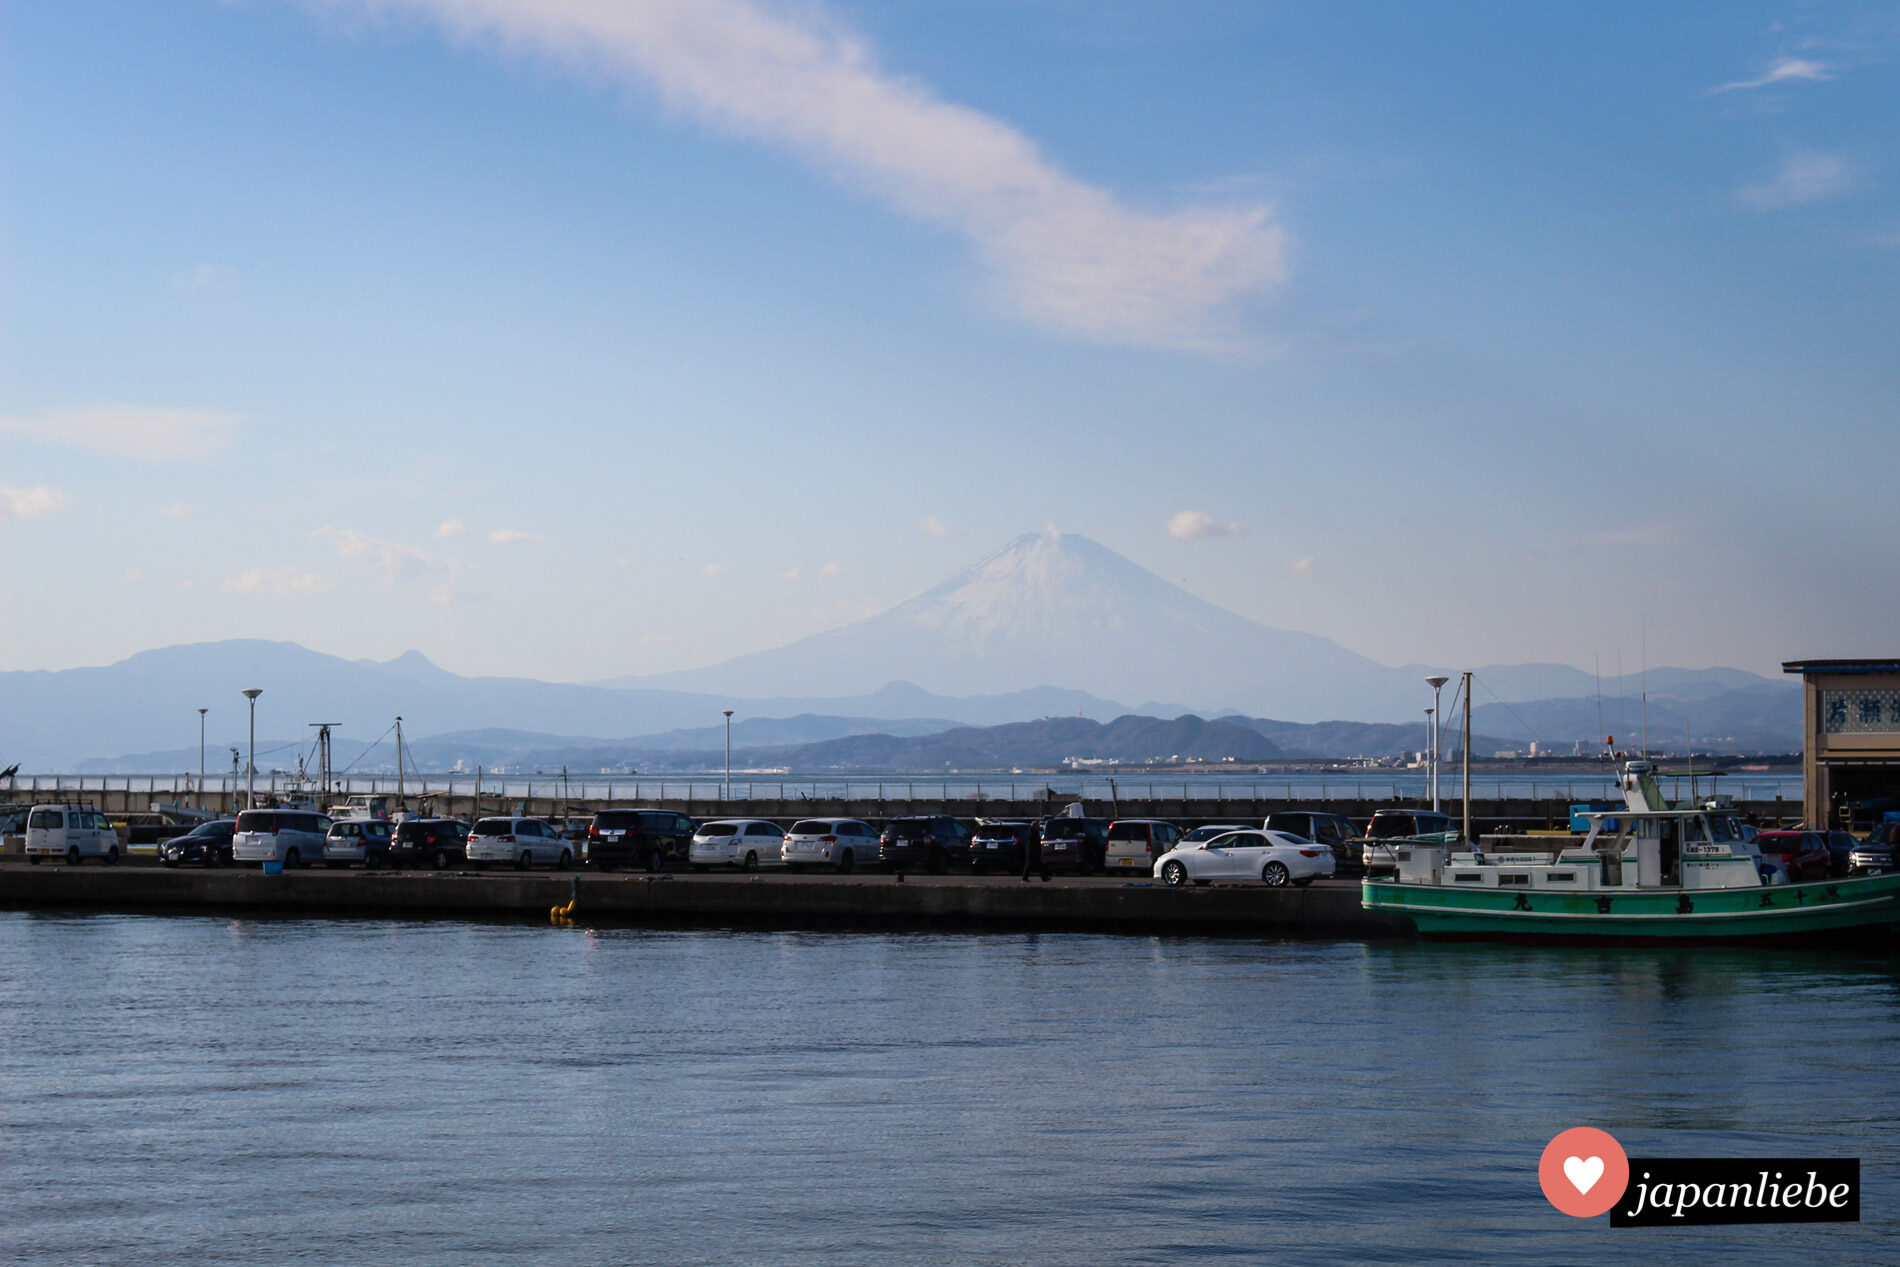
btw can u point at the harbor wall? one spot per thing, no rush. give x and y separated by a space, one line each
872 901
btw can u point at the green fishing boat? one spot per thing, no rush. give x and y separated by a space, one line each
1650 873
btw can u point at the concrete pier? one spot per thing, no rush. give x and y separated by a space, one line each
1096 904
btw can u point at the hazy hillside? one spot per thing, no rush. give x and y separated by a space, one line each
1041 743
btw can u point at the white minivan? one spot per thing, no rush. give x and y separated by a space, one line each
71 832
737 842
525 842
290 836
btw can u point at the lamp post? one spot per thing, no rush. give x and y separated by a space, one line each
1437 682
1431 719
201 757
250 779
728 754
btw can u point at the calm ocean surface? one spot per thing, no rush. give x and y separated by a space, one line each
180 1090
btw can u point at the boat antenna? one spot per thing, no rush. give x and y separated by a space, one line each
1688 739
1465 686
1596 663
1622 695
1645 688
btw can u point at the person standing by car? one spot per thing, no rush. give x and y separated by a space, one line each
1032 854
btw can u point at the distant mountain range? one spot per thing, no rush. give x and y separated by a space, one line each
986 645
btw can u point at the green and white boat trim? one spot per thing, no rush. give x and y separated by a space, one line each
1646 874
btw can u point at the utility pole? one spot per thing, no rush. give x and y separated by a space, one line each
1466 756
201 758
323 753
250 784
1437 682
728 755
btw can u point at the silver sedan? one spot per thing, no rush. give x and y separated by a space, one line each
1273 857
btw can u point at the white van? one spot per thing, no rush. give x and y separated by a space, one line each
290 836
522 841
71 832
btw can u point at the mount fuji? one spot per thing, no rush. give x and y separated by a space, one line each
1057 608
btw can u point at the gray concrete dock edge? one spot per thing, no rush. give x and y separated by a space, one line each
874 901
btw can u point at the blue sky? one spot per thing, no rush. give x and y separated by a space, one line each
574 338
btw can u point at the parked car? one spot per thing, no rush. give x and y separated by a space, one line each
1840 852
1077 844
1336 831
1876 852
1276 858
1802 854
71 832
525 842
440 843
1399 824
1210 831
1135 843
839 843
207 844
744 843
999 846
930 841
364 840
290 836
648 838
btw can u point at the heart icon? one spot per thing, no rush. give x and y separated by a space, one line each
1583 1172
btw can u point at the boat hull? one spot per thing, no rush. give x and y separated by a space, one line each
1825 910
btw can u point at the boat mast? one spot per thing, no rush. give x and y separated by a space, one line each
400 803
1465 757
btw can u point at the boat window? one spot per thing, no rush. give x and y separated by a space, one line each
1697 833
1723 829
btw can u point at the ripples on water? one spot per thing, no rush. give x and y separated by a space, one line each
178 1090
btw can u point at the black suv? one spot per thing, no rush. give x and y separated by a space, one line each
648 838
1078 844
434 842
930 840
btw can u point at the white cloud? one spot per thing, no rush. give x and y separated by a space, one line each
30 503
933 527
791 575
177 510
1303 568
1064 254
131 575
508 536
450 528
143 435
1804 177
832 569
1190 524
399 564
1782 71
711 570
281 581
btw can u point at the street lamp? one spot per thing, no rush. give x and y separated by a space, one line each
201 757
250 782
1437 682
728 754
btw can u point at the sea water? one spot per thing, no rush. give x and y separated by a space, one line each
180 1090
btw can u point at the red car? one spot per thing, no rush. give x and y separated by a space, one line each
1802 854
